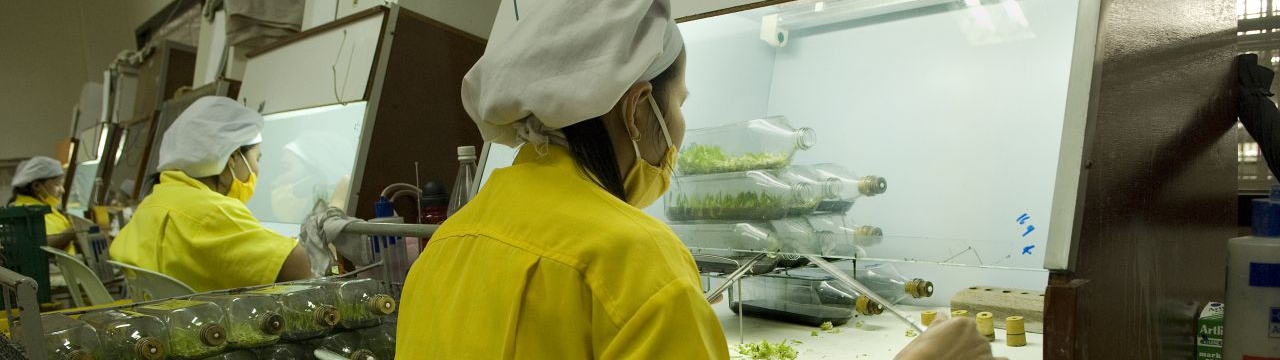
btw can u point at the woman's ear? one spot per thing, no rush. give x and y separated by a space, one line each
633 104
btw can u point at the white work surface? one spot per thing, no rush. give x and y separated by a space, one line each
880 337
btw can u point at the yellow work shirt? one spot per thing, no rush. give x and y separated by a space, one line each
544 264
205 239
54 222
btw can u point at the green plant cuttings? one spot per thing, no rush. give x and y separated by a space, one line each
826 326
721 206
709 159
764 350
245 334
186 344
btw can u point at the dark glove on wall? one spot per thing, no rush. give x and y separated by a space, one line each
1258 114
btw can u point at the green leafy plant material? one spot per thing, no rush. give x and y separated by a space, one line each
700 159
764 350
721 206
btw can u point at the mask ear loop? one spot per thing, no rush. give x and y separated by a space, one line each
662 123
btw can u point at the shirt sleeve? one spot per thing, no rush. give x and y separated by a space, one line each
676 323
242 251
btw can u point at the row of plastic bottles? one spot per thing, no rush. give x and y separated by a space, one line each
827 235
810 296
207 325
769 194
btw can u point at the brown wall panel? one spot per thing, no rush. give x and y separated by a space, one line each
1159 195
420 116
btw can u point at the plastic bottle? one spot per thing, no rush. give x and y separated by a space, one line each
65 338
1252 319
347 345
381 340
391 250
760 144
195 327
748 195
128 335
838 186
308 311
361 302
434 204
284 352
253 320
466 173
890 284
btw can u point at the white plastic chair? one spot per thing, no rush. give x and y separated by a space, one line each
145 285
78 276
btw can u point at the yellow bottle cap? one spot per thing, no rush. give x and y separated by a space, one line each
960 313
927 317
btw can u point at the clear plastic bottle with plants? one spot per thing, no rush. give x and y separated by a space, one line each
285 351
849 240
196 328
65 338
747 196
128 335
361 302
309 311
348 345
885 280
759 144
381 340
253 320
838 186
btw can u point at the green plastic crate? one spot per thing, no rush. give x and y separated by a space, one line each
22 235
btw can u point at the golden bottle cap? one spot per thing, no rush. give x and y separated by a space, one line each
918 288
1014 325
272 324
213 335
327 315
927 317
872 185
960 313
867 307
149 348
383 304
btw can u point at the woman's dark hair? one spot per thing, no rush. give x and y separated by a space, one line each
28 190
591 148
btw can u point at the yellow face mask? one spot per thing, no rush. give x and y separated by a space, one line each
242 190
645 183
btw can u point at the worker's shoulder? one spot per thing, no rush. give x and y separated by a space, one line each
190 202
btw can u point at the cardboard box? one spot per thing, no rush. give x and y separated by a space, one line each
1209 332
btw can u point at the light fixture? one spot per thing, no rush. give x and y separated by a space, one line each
775 28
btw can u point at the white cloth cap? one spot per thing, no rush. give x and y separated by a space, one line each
36 168
202 139
566 61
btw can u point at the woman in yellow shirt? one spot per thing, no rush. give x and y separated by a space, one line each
38 182
554 259
194 225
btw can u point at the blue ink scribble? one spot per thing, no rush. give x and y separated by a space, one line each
1022 220
1027 250
1030 228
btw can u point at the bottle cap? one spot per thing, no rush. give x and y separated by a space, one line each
434 194
149 348
466 152
959 313
1266 214
382 304
213 335
918 288
327 316
383 208
927 317
1014 325
272 324
865 306
872 185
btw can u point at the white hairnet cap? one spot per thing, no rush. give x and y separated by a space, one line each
566 61
202 139
36 168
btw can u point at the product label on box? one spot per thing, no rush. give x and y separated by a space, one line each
1264 275
1209 332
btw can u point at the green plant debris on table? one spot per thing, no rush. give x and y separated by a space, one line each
701 159
859 324
764 350
721 206
813 333
826 326
912 333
